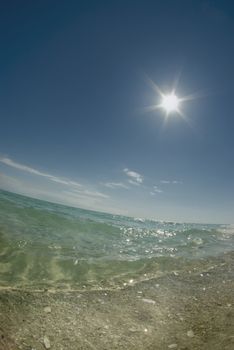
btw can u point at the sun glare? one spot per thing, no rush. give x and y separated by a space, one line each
170 103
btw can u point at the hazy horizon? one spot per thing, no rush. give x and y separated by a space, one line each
116 214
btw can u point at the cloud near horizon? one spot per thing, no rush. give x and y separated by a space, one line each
74 187
11 163
85 192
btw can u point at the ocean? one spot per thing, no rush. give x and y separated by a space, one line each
75 279
46 245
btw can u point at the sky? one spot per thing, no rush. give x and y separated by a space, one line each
77 82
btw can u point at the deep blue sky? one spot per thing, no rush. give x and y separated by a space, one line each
73 93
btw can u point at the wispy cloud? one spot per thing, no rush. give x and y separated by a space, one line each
74 188
157 190
177 182
89 193
25 168
132 182
134 177
171 182
165 182
115 185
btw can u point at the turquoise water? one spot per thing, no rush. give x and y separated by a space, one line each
44 244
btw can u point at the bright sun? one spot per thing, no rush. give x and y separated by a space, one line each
170 103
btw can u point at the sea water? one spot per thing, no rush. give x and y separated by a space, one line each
45 245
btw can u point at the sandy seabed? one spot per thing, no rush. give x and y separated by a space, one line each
192 309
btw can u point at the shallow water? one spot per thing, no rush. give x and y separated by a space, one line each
111 282
44 244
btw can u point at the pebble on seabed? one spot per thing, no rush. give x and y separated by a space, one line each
149 301
190 334
46 342
47 309
172 346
